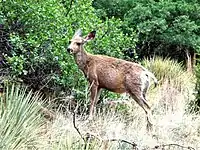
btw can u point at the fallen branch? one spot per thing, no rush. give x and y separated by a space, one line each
124 141
105 141
173 145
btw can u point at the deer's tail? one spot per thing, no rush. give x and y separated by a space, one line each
153 77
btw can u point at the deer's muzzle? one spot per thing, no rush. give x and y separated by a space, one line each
69 50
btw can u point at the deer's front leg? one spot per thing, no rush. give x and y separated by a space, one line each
93 98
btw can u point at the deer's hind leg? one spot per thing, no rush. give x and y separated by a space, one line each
137 88
143 103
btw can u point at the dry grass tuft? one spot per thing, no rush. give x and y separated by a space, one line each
168 70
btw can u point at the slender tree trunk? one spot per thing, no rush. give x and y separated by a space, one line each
194 60
190 60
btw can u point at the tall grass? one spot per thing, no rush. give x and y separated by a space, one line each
176 85
20 120
168 70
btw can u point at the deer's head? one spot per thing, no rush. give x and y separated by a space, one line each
77 42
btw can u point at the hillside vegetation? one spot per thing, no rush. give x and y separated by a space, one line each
44 97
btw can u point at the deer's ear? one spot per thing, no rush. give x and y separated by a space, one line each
90 36
78 33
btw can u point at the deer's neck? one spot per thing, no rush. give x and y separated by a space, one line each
81 59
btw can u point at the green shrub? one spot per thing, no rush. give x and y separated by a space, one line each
39 34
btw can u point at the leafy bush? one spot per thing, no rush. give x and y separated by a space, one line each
20 119
165 28
39 34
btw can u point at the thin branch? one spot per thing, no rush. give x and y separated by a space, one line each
89 135
70 6
74 123
177 145
45 83
104 34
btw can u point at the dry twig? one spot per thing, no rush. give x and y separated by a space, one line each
173 145
74 124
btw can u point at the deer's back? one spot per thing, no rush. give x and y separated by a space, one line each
113 73
107 64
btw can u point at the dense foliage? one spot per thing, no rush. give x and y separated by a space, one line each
39 34
165 28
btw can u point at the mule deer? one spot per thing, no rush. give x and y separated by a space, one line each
110 73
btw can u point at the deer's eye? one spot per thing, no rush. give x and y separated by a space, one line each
78 44
69 42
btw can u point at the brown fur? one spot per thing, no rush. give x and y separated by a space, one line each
113 74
